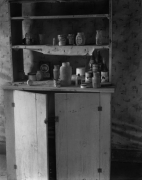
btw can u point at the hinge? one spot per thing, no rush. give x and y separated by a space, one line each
99 108
99 170
13 104
15 166
51 120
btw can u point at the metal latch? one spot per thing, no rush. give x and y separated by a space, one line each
13 104
51 120
100 108
15 166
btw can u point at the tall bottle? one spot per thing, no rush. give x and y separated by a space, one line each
65 74
99 60
104 72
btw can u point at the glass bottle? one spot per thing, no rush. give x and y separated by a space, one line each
104 72
65 74
99 60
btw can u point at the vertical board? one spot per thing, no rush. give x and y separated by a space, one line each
30 135
10 135
77 136
105 136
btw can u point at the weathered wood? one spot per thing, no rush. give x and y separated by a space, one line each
10 135
49 86
62 17
63 50
30 150
77 136
105 135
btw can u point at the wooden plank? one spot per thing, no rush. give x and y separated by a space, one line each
63 50
42 136
62 17
48 86
48 1
105 135
77 136
10 135
27 129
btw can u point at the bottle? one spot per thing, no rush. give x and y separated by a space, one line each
56 72
104 72
99 60
80 39
65 74
39 76
96 79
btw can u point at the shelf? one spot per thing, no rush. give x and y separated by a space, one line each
62 50
49 86
49 1
62 17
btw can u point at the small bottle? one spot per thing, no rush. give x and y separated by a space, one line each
80 39
56 72
99 60
104 72
39 76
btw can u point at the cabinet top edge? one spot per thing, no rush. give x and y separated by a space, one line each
58 89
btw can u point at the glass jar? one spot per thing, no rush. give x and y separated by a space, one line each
39 76
100 37
80 39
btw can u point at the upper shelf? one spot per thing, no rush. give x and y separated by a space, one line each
49 1
86 50
62 17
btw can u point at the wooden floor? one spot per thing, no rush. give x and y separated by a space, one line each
3 167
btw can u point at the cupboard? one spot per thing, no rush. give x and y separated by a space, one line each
82 135
57 133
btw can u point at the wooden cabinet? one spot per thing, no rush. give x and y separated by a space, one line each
82 135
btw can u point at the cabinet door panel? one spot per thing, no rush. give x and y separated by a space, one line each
30 135
105 136
77 136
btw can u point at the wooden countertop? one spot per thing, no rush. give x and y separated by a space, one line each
49 86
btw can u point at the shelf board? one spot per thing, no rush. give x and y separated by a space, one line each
50 1
48 85
86 50
62 17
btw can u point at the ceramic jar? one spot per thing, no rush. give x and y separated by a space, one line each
65 74
80 39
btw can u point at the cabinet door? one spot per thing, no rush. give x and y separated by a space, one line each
29 113
77 136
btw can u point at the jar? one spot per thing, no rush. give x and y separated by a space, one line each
56 72
96 79
70 39
32 76
61 40
39 76
100 37
88 77
65 74
80 39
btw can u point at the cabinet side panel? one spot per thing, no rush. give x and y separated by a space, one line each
77 136
105 135
10 135
26 136
42 136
